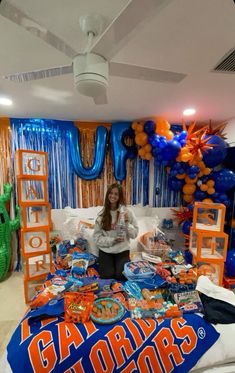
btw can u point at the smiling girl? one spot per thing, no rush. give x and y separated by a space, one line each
114 251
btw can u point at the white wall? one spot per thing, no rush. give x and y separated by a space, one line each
230 132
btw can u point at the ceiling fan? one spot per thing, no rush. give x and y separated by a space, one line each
92 68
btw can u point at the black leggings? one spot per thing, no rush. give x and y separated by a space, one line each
112 265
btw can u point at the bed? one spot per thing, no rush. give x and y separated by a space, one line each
188 343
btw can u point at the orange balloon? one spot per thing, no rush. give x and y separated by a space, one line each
201 165
211 190
180 176
148 156
148 148
189 188
207 200
188 198
161 132
190 181
210 183
169 135
162 123
141 138
203 187
141 152
134 125
140 127
206 171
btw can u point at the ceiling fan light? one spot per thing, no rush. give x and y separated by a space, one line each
91 87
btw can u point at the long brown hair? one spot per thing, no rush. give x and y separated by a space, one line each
106 215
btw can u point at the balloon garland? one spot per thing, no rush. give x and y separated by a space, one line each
7 226
190 157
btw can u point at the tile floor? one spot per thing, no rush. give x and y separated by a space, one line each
12 306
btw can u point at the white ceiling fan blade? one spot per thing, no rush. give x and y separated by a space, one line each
134 15
144 73
101 100
15 15
39 74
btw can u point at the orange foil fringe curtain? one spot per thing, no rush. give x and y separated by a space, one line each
5 153
92 192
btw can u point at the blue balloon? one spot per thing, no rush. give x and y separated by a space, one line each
193 170
183 135
186 227
154 140
155 152
120 151
175 184
224 180
230 263
94 171
214 156
171 150
199 194
191 206
149 127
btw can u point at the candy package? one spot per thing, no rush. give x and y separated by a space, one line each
53 288
78 306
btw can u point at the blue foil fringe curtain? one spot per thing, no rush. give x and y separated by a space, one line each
51 136
149 184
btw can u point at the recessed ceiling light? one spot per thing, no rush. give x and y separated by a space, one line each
189 111
5 101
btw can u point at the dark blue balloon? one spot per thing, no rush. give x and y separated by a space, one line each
155 152
214 156
191 206
149 127
175 184
93 172
186 227
120 151
230 263
224 180
199 194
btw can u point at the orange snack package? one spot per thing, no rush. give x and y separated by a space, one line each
78 306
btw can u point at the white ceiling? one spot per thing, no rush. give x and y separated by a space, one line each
187 36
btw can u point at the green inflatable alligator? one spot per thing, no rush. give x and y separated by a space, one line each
7 226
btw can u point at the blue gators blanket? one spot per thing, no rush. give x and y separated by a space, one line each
51 345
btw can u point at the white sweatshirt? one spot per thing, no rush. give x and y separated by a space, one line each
105 240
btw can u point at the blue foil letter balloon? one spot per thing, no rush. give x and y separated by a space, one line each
93 172
120 151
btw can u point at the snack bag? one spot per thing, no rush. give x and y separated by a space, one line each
78 307
80 263
52 289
